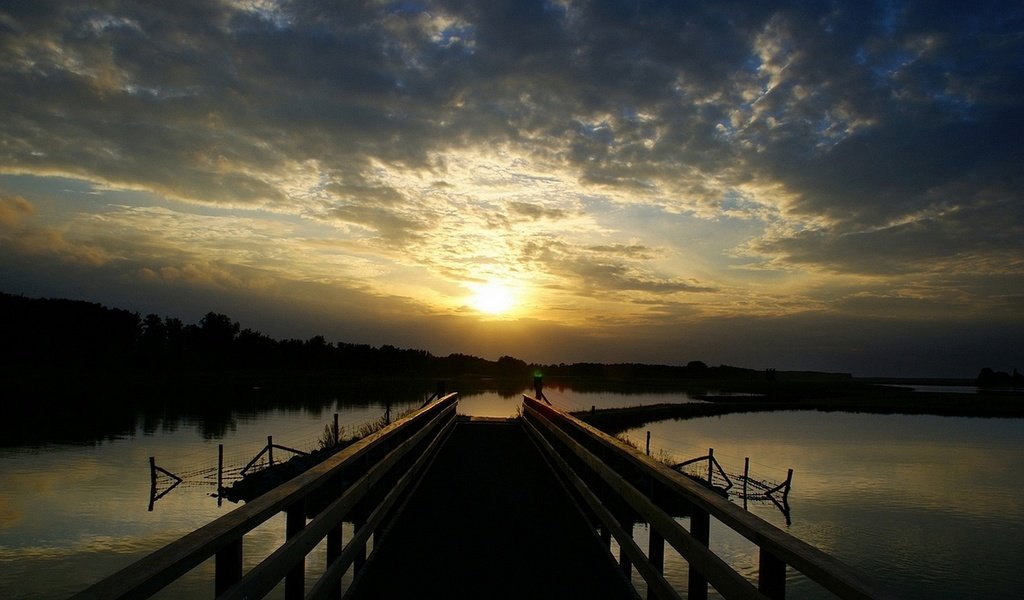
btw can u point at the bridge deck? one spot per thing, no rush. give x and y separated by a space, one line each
489 520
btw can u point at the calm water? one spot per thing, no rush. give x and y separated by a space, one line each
928 506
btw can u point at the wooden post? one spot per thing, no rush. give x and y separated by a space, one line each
746 474
337 430
360 559
789 482
334 548
648 443
220 473
771 575
700 529
295 580
228 567
624 563
711 464
270 450
656 555
152 482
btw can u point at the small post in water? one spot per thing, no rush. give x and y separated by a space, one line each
711 464
152 480
336 431
220 473
746 473
270 450
648 443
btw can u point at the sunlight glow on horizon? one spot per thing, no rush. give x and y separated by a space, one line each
493 298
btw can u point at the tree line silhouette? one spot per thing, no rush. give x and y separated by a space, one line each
88 337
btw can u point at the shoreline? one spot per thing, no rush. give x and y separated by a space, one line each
981 405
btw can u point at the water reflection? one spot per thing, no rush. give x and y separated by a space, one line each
909 499
925 505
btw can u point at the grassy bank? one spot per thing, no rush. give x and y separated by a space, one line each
874 399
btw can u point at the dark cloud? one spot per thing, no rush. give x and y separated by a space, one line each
534 211
596 271
978 235
879 139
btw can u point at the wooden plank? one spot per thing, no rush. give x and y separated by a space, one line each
834 575
152 573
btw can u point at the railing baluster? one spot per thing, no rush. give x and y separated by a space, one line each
360 559
656 555
700 529
295 581
228 567
624 563
771 575
334 548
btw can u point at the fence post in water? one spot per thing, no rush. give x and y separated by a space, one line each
220 473
336 431
270 450
711 464
746 474
152 482
789 482
648 443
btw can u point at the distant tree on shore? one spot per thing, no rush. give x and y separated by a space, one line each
990 378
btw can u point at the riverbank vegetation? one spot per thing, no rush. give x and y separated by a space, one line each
74 370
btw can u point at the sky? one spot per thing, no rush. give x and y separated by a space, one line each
830 186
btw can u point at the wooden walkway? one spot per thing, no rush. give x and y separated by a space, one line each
475 508
489 520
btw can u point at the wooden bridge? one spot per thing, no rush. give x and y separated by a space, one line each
487 508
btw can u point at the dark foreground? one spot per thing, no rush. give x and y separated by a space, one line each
513 534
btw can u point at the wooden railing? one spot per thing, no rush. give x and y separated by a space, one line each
618 485
362 483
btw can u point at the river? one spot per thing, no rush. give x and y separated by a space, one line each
926 506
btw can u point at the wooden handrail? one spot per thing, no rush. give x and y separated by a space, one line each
155 571
780 547
730 583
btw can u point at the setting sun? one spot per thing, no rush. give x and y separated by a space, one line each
492 298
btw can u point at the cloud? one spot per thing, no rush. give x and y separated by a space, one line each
413 147
14 209
596 271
